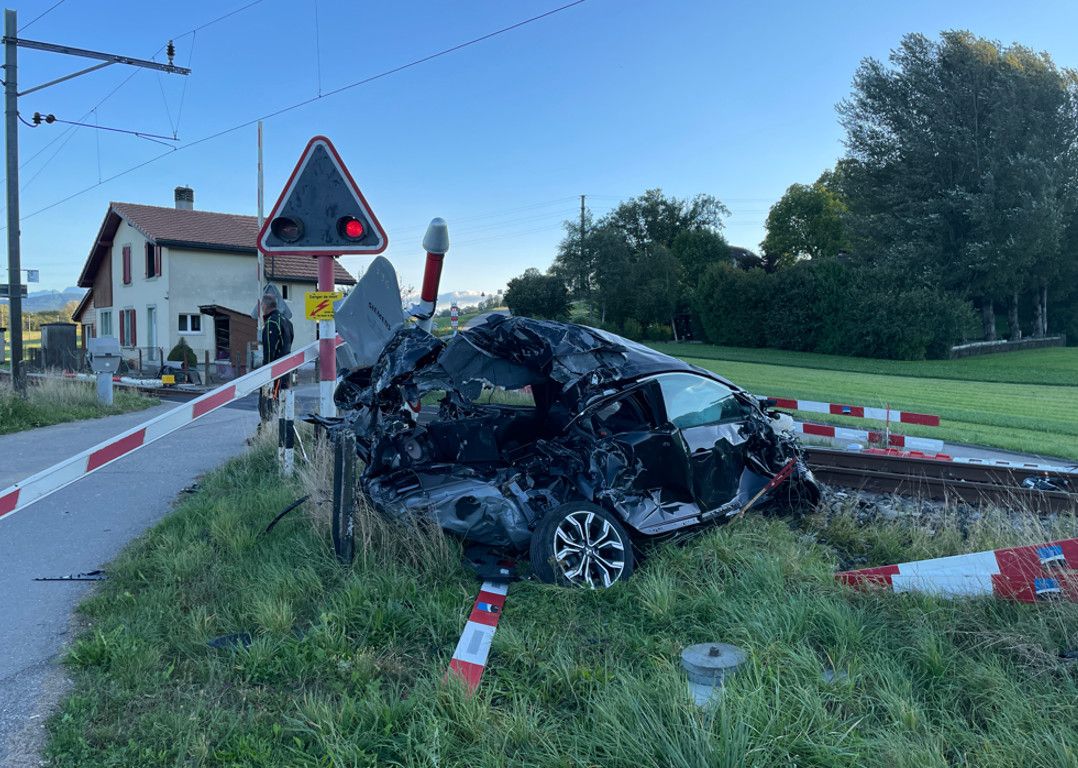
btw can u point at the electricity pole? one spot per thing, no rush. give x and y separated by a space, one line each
584 287
12 43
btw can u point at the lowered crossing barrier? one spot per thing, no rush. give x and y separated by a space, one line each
38 486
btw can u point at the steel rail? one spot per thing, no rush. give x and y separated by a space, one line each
942 480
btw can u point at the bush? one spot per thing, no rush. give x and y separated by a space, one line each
182 353
832 308
658 332
632 329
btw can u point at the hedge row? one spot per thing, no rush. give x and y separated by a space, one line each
833 308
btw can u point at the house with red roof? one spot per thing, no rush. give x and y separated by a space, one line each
157 275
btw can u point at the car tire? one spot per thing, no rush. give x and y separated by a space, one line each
581 544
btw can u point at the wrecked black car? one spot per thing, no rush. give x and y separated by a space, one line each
563 440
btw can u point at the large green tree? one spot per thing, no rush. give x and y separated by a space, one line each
642 259
534 294
960 167
806 223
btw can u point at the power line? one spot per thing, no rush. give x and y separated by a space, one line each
43 14
134 72
311 100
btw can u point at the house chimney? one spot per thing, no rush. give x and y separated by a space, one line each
185 199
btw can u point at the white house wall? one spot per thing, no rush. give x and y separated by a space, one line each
142 293
188 279
198 278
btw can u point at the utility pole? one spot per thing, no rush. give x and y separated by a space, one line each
584 287
14 267
261 266
12 43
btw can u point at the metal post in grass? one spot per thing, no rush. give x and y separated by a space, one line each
344 469
707 666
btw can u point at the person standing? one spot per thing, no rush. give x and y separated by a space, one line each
276 342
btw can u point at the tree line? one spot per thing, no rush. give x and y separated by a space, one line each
952 216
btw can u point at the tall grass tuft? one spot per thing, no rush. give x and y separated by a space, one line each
418 542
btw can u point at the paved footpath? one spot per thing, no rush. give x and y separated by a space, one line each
78 529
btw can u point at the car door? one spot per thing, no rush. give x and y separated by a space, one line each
707 418
633 420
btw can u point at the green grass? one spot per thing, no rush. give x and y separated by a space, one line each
1039 419
346 665
1056 365
51 401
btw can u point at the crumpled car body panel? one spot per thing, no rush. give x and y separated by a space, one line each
595 429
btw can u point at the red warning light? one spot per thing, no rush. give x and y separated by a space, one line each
351 227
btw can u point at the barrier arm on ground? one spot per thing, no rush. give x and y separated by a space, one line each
40 485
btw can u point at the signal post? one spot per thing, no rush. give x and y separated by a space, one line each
322 213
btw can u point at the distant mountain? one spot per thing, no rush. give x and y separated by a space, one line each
461 298
50 301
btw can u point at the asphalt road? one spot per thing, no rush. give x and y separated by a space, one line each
79 529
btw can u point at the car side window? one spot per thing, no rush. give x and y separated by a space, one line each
692 401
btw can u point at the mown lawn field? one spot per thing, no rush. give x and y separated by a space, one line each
1036 417
1056 365
345 665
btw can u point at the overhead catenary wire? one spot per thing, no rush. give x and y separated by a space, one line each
42 15
311 100
193 31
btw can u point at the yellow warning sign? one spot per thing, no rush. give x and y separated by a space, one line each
168 378
319 304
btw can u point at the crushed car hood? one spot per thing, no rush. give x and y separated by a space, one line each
512 353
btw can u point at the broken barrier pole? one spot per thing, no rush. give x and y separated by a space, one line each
344 474
1029 574
286 433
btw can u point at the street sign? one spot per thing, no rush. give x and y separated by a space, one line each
319 304
5 291
321 210
33 276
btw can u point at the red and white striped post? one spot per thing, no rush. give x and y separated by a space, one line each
327 349
436 244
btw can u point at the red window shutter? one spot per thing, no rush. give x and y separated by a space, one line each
123 327
127 264
134 332
157 260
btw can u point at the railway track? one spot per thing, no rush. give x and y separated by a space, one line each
943 480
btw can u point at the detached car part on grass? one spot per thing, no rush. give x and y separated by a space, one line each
561 439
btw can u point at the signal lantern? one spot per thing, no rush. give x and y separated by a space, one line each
351 228
287 229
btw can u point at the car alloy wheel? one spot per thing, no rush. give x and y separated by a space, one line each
582 544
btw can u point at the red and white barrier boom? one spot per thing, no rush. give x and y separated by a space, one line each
1028 574
36 487
470 657
871 436
858 411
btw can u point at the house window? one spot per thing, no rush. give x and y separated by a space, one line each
128 332
153 260
127 264
106 323
284 291
190 324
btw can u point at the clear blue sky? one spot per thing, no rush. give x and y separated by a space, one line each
608 98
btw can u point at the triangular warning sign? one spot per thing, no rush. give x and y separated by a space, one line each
321 210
